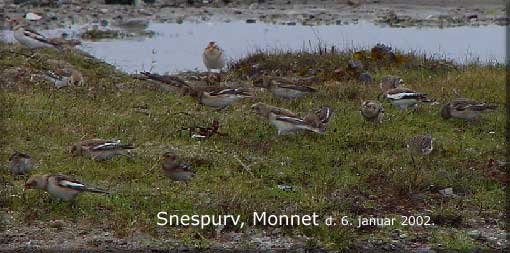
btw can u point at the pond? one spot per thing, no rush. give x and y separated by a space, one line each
178 47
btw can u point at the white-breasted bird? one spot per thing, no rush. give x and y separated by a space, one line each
465 108
403 98
288 122
71 78
213 57
101 150
32 39
60 186
222 98
372 111
390 82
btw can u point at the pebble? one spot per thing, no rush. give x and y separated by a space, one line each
475 234
365 78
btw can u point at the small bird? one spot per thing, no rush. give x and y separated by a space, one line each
372 111
420 145
465 108
174 169
20 163
101 150
391 82
69 78
404 97
213 57
222 98
167 79
288 123
285 88
34 40
60 186
318 118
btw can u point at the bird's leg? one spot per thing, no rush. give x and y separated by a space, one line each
414 163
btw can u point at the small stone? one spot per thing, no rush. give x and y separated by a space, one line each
471 16
447 192
366 78
57 224
251 21
475 234
353 2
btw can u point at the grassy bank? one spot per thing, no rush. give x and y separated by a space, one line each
354 169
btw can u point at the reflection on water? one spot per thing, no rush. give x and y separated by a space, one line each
178 47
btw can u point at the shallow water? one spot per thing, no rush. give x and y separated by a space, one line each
178 47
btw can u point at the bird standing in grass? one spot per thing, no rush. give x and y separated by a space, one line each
372 111
101 150
71 78
403 98
318 118
465 108
222 98
60 186
285 88
213 57
288 123
174 169
20 163
391 82
420 145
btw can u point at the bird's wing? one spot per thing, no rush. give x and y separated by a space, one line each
292 120
36 36
404 93
229 92
470 104
110 145
67 182
297 87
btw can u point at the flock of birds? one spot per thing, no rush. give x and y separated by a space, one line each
285 121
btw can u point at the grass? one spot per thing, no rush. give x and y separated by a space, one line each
354 169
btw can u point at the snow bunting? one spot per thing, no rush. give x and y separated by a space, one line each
420 145
372 111
391 82
285 88
288 123
403 97
20 163
60 186
318 118
213 57
174 169
71 78
101 150
464 108
222 98
34 40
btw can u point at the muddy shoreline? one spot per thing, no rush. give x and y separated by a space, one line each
397 13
